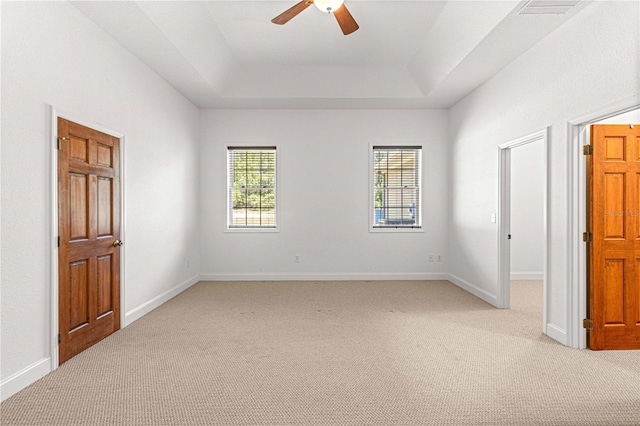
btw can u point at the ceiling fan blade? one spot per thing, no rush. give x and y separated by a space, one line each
291 13
345 20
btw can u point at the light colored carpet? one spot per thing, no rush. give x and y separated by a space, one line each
335 353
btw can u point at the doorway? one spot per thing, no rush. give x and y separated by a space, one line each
527 233
577 222
507 159
87 227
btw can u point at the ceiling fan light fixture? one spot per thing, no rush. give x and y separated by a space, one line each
336 8
328 6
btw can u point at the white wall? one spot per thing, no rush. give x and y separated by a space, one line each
323 171
527 203
53 55
588 63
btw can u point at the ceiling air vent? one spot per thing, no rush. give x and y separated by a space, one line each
548 7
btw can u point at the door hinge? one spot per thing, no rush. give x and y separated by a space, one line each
587 237
60 139
588 324
58 240
587 149
59 338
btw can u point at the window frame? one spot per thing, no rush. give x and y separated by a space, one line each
229 201
419 228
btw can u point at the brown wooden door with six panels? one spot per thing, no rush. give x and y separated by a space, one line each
89 228
614 253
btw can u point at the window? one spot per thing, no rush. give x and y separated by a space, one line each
251 187
396 180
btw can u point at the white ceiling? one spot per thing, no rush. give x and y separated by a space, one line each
406 54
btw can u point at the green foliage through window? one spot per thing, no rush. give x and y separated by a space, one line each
252 177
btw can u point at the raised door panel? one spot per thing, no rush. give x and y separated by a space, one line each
104 284
79 149
105 155
78 295
105 206
78 207
614 205
615 149
614 283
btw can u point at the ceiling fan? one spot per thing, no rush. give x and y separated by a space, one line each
337 7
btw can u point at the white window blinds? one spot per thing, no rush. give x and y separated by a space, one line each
396 181
251 187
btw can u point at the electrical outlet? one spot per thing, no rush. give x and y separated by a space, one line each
439 258
297 258
430 258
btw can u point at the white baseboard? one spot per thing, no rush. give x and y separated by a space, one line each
527 276
323 277
145 308
23 378
492 299
557 333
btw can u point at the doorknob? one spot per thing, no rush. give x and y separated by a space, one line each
117 243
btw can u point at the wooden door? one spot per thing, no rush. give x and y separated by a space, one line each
614 253
89 228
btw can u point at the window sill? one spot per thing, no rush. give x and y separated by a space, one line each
252 230
396 230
